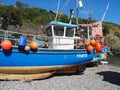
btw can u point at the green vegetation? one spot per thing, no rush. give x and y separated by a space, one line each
23 15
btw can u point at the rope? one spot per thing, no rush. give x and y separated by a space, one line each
6 33
65 4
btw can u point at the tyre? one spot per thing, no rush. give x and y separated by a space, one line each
96 64
81 68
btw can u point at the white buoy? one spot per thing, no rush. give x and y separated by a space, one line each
27 48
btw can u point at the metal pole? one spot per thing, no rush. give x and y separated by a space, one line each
89 21
77 11
88 31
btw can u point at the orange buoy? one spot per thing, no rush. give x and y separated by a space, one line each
80 43
105 57
34 45
86 43
98 47
6 45
92 42
89 48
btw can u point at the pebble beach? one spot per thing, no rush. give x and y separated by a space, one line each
103 77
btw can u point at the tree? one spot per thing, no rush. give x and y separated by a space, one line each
21 5
105 30
11 17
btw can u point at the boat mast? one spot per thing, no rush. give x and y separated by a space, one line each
77 11
88 28
57 10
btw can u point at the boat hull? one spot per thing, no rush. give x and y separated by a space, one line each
31 69
41 60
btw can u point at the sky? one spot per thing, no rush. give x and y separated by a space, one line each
94 7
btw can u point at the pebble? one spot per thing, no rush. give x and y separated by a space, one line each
103 77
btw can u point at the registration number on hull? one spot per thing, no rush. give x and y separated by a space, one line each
81 55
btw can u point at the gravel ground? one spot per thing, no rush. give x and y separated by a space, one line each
103 77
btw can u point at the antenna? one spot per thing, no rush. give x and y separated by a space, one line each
90 17
71 15
78 4
89 21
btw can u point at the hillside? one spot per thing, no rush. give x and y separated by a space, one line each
22 15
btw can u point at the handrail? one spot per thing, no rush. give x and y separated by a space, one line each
7 34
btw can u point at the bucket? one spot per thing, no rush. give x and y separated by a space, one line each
22 41
105 49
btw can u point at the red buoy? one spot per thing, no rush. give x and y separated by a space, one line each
34 45
98 47
89 48
92 42
6 45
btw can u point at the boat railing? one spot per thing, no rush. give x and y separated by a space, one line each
42 40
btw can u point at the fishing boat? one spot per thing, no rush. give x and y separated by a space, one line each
26 58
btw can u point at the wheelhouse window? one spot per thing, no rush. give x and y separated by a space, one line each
69 32
49 31
58 31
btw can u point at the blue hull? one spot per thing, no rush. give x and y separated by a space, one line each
43 57
101 57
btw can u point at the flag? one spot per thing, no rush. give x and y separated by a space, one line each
105 12
103 16
97 29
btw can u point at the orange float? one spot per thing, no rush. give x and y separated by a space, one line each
92 42
86 43
89 48
105 57
80 43
6 45
98 47
34 45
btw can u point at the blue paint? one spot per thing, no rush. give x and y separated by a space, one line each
101 57
105 49
63 24
44 57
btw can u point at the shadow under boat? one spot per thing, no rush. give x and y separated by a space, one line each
111 77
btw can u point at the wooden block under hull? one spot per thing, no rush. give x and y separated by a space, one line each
25 76
70 70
